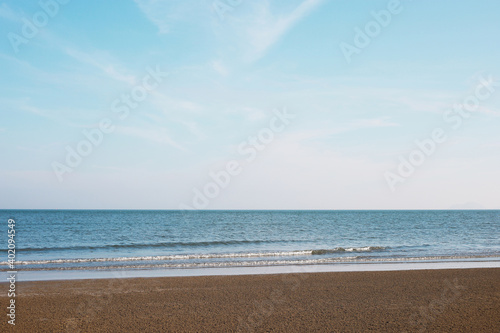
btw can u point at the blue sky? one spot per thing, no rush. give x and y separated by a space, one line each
228 73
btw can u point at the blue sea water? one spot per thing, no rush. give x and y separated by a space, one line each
48 240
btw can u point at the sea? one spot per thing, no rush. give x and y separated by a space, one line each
167 241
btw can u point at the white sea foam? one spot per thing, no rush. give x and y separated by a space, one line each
204 256
258 263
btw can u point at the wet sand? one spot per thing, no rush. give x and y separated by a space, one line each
466 300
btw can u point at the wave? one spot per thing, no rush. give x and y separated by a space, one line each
156 245
169 257
204 256
350 249
222 264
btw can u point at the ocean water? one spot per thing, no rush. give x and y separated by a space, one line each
51 240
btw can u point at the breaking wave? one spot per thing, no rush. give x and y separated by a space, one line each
205 256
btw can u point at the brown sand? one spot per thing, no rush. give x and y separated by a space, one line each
465 300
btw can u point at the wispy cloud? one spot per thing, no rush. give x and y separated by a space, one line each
268 28
256 29
323 133
7 13
194 129
108 68
253 114
488 111
69 115
249 113
151 134
219 67
106 168
155 12
163 14
26 106
168 104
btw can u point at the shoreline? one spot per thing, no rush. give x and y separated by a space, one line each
385 301
81 274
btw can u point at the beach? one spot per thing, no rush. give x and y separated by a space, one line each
452 300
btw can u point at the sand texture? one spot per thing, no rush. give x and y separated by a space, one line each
466 300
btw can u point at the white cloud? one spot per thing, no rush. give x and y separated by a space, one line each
194 129
7 13
219 67
155 12
292 175
253 114
248 113
255 26
106 168
488 111
105 66
24 105
168 104
163 14
322 133
155 135
268 28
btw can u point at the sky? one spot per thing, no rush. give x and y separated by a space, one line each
228 104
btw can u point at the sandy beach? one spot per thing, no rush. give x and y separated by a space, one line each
466 300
